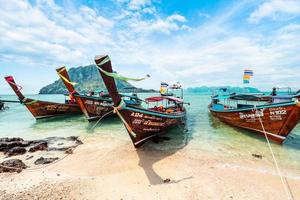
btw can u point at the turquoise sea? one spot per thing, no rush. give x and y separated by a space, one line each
205 133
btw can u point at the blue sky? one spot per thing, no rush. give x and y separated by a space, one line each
194 42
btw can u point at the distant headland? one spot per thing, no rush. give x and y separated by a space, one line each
209 90
87 79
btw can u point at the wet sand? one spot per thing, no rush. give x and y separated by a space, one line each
106 168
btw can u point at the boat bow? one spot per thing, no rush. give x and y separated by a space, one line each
16 88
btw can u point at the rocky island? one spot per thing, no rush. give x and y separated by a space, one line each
87 79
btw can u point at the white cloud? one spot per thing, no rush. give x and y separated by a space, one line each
159 25
275 9
46 32
221 62
137 4
212 53
176 17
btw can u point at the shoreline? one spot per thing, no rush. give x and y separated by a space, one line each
106 168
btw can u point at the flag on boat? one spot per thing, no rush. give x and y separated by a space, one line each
176 86
163 87
248 72
247 76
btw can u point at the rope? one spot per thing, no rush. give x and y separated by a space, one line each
116 110
105 60
56 161
36 168
284 183
101 119
31 102
45 165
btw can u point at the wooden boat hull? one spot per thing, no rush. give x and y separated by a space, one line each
145 125
141 124
93 108
43 109
278 119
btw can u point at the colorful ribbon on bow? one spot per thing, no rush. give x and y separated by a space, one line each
117 76
64 78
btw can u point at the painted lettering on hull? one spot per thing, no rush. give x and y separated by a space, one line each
59 108
146 120
97 103
148 123
246 116
275 114
153 123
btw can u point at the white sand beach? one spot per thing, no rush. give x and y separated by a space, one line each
103 168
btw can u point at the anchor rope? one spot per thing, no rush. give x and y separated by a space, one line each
46 165
37 168
62 158
101 118
116 110
29 103
283 180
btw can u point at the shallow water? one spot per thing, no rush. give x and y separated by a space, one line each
205 133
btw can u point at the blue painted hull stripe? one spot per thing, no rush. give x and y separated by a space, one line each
258 107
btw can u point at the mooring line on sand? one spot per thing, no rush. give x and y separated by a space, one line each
56 161
284 181
35 168
44 166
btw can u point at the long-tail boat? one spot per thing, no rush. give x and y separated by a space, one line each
93 107
141 123
43 109
275 116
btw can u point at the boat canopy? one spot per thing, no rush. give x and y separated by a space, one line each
245 97
251 97
161 98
